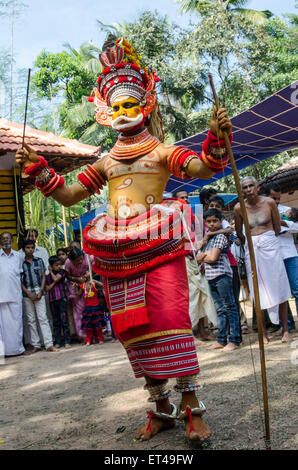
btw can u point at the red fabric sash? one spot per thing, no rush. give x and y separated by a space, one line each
127 302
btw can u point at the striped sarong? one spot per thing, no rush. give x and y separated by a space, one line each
164 357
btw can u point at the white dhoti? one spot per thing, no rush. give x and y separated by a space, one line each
200 301
11 328
273 281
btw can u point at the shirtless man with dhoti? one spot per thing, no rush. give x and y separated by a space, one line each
264 221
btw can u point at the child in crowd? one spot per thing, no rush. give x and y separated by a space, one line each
93 313
219 274
217 202
62 255
33 283
56 286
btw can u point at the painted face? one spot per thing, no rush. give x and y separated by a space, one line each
127 113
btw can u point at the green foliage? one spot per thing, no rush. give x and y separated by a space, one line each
206 9
249 53
62 73
161 43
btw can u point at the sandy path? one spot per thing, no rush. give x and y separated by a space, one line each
78 398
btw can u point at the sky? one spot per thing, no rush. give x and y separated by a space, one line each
48 24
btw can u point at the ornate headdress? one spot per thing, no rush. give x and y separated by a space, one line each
123 74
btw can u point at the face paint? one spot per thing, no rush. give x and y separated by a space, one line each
127 113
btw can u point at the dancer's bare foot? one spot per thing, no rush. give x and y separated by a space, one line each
216 346
157 425
286 338
197 431
230 347
201 433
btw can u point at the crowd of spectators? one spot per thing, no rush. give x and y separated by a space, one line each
50 302
223 259
44 300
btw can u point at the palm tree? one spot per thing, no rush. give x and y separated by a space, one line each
87 54
206 8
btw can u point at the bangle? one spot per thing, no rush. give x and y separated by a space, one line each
178 161
91 180
214 146
216 166
35 169
48 181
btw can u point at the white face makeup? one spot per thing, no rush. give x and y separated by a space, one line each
124 122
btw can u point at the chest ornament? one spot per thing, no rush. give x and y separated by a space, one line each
130 147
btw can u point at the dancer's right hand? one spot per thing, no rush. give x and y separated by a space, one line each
26 156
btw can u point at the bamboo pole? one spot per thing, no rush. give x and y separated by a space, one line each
71 234
64 226
81 231
254 275
56 223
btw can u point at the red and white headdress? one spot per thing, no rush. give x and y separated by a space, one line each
123 75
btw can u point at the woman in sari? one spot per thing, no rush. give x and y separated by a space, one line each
76 267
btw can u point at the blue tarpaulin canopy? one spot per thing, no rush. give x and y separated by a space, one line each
262 131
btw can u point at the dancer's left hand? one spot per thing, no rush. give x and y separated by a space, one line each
220 122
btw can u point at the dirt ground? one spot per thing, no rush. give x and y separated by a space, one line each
88 398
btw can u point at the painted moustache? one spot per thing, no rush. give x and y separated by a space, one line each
124 122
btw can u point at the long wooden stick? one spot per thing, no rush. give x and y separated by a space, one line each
26 107
19 186
253 271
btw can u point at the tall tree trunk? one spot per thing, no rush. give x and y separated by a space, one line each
11 63
53 109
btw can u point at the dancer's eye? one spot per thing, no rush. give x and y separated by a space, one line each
129 105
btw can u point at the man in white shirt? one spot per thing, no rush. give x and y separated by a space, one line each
286 239
11 325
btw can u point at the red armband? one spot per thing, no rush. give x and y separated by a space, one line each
178 161
214 153
91 180
212 142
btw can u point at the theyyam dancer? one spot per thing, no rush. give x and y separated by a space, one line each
139 246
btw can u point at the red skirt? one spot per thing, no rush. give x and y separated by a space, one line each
165 347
